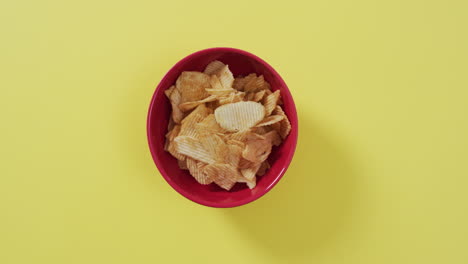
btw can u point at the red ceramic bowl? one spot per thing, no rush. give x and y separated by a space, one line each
241 63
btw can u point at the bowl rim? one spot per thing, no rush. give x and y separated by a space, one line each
289 156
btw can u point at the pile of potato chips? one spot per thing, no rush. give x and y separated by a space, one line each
222 128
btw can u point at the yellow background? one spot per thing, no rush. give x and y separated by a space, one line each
380 172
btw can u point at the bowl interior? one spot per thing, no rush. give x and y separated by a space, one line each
240 63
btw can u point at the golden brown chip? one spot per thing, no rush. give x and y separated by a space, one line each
249 173
233 155
273 137
191 86
169 91
239 116
270 120
225 76
240 82
193 148
270 102
245 135
284 127
176 99
213 67
196 169
215 83
255 84
263 168
231 98
187 106
220 92
259 96
171 135
188 123
249 96
224 175
170 124
250 183
257 151
209 125
215 146
235 142
244 164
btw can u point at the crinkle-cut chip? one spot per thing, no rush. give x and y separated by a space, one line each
191 86
244 164
224 175
213 67
270 120
231 98
172 148
209 125
255 84
171 135
257 151
170 124
193 148
212 105
284 127
220 92
249 173
267 92
258 96
245 135
215 83
187 106
233 155
196 169
249 96
273 137
166 145
270 102
215 146
169 91
235 142
263 168
188 127
240 82
261 130
239 116
176 99
225 76
182 164
250 183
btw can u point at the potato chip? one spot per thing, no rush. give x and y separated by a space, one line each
216 84
233 155
244 164
263 168
171 135
187 106
270 102
196 169
209 125
231 98
225 76
245 135
176 99
250 183
273 137
169 91
194 149
259 96
213 67
249 96
188 124
284 127
220 92
191 86
235 142
224 175
239 116
255 84
249 173
240 82
270 120
257 151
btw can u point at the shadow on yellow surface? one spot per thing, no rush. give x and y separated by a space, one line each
310 206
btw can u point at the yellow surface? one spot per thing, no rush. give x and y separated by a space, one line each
380 173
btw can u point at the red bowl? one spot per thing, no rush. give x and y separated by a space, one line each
241 63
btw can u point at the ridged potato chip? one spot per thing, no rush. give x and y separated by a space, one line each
169 91
239 116
187 106
250 183
233 155
213 67
176 99
240 82
284 127
273 137
183 164
263 168
209 125
191 86
270 120
270 102
225 77
249 173
257 151
196 169
255 84
259 96
224 175
193 148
